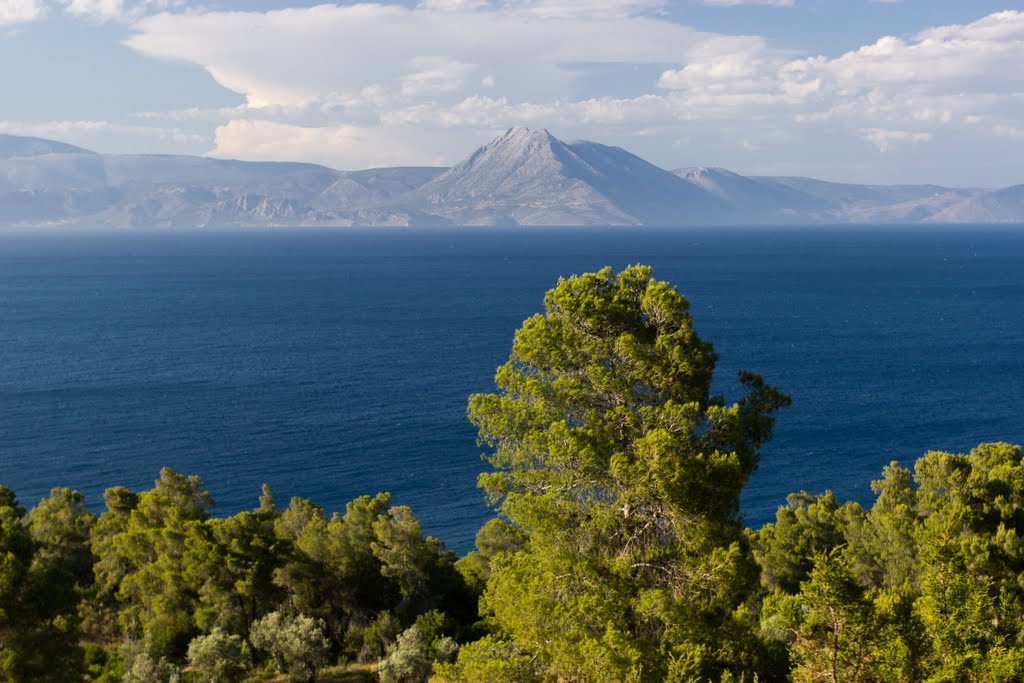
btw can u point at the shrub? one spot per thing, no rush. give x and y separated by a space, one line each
296 643
219 657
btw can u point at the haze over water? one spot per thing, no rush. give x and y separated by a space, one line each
336 363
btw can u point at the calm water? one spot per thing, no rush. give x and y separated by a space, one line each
331 364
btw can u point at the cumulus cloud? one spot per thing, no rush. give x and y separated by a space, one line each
940 76
481 65
525 46
20 11
116 10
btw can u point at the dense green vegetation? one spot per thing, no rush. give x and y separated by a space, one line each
617 552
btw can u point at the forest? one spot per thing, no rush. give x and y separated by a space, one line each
617 551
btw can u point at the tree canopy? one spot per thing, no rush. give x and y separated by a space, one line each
623 474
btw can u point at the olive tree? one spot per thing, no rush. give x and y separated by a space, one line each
296 643
219 657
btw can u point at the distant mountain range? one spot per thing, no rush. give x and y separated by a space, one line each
523 177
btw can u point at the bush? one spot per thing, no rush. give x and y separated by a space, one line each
491 660
374 639
101 666
296 643
219 657
411 658
408 660
139 666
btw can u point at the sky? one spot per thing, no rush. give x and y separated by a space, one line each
911 91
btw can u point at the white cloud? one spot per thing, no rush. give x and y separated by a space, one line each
453 5
585 9
886 139
435 75
457 69
733 3
523 46
20 11
116 10
98 9
939 77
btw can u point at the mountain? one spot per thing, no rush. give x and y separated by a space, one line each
533 178
756 201
49 183
875 203
522 177
998 206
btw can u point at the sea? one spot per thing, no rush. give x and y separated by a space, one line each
335 363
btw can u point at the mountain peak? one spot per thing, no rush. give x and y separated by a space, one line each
522 170
523 131
512 163
521 137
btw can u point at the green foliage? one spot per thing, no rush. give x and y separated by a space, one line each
141 544
171 573
807 526
296 643
622 474
311 565
957 612
495 537
233 564
372 641
219 657
413 562
923 586
38 595
883 546
408 660
101 665
835 629
140 666
411 657
349 569
60 526
490 659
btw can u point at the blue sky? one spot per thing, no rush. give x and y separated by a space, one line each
852 90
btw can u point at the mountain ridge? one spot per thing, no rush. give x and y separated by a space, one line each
521 177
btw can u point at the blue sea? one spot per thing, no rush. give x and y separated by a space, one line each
330 364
